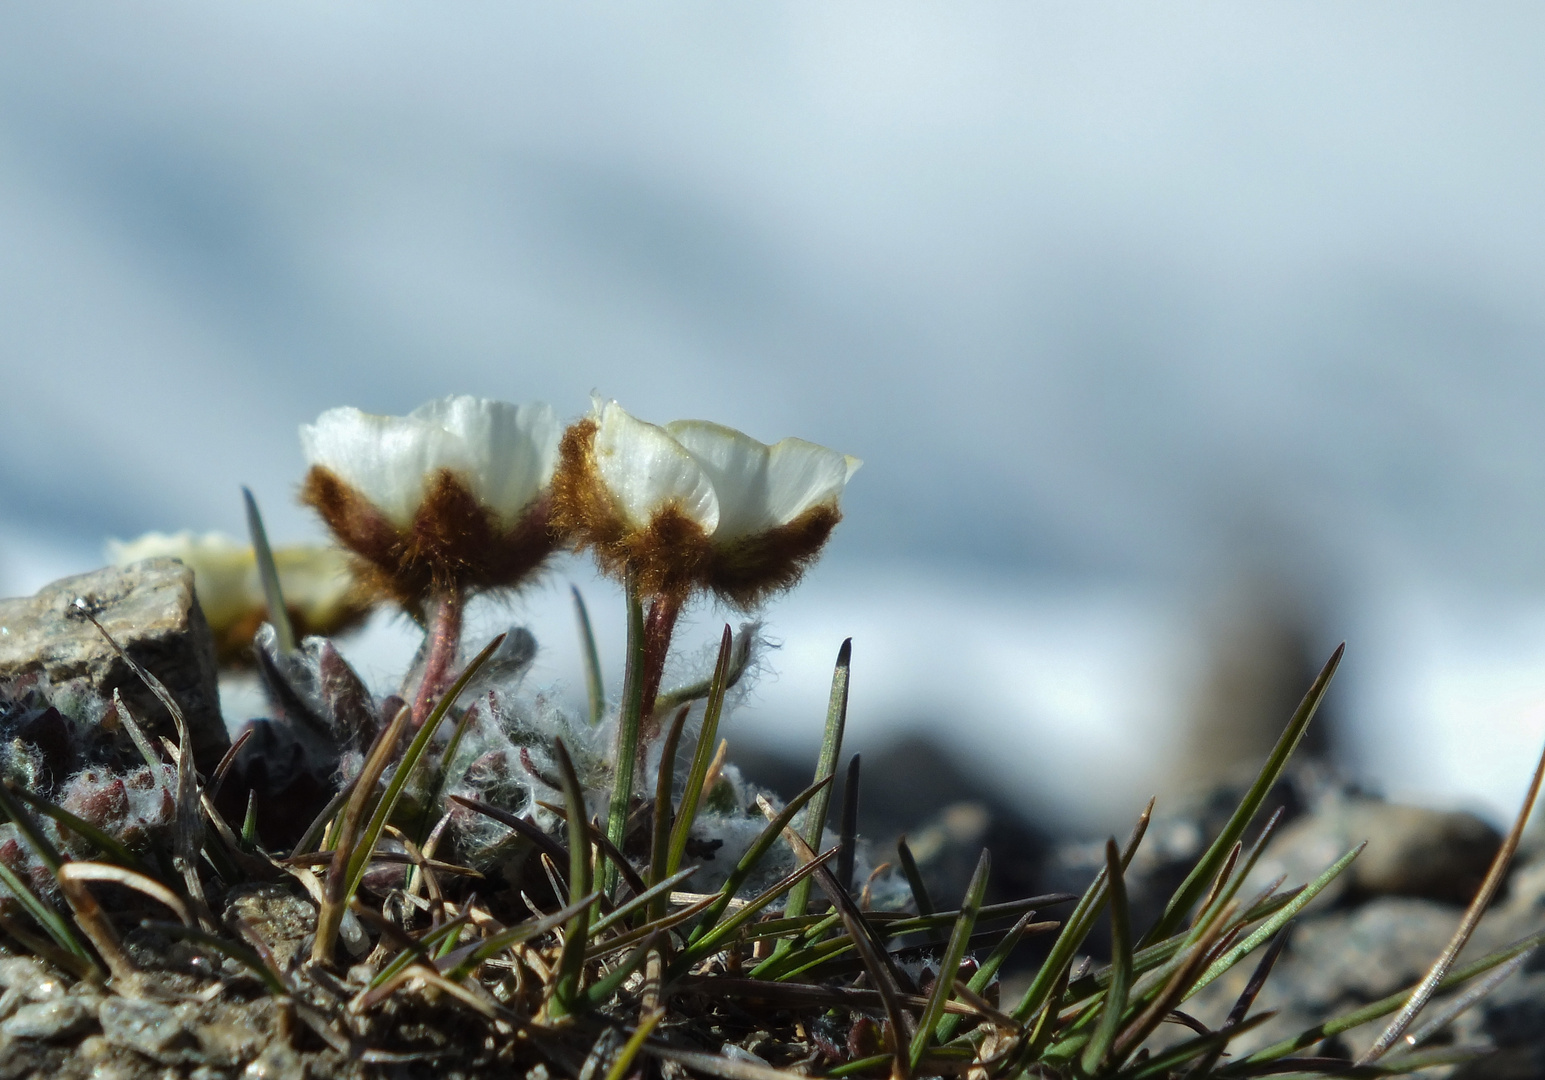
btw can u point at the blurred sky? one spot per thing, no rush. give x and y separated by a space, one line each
1119 304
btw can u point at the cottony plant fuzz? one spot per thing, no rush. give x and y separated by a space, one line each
492 884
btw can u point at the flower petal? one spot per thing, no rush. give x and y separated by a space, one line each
801 475
646 471
737 466
507 453
387 459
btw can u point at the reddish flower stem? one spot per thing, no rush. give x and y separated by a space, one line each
444 641
658 627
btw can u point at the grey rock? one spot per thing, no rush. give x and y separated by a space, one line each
151 610
1412 851
55 1019
283 921
153 1028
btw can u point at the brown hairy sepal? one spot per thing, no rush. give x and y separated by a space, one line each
750 570
453 542
672 555
668 555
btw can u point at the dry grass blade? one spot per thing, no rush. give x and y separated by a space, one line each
330 917
93 922
1383 1007
722 1067
50 920
1494 875
566 995
949 963
189 825
526 827
1462 1002
117 875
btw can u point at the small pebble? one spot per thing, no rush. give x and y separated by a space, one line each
49 1019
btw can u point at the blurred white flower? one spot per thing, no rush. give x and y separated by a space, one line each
319 590
695 504
451 496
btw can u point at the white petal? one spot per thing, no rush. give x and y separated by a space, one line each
646 470
507 452
387 459
504 453
737 466
802 475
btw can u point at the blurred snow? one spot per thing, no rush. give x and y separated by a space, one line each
1117 303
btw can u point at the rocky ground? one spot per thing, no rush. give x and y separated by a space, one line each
1370 934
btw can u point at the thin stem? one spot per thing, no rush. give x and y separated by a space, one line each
658 628
626 751
444 641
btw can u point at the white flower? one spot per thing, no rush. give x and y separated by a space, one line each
696 503
450 497
318 588
503 454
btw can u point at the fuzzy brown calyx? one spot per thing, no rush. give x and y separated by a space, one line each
452 543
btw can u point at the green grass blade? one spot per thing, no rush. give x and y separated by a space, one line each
629 719
46 916
594 688
754 855
405 768
826 768
567 990
1262 933
1120 965
949 963
1196 883
630 1049
278 612
914 877
47 854
847 834
711 941
692 795
664 810
660 892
